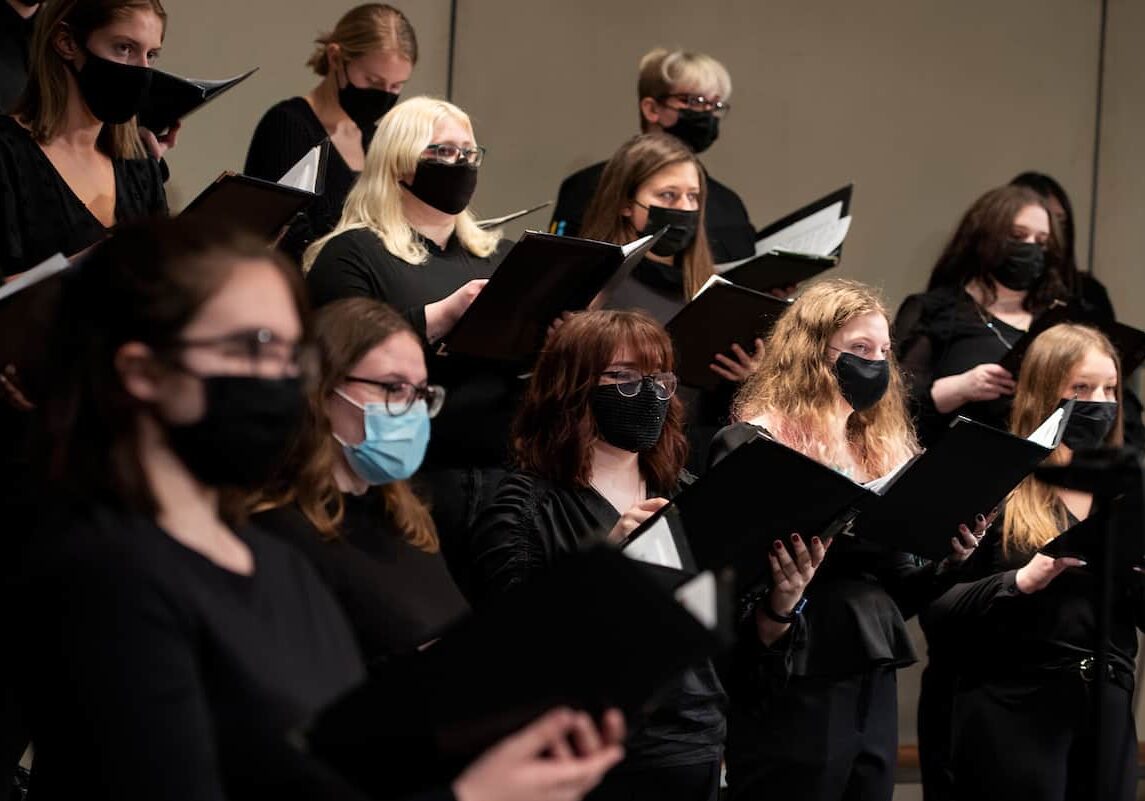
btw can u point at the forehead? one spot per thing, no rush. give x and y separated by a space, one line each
708 89
399 355
450 129
253 295
1095 366
142 25
388 64
1033 217
683 173
871 325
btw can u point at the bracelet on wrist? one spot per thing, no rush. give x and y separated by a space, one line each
778 618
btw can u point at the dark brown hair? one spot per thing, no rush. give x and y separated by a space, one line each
978 247
44 103
145 283
344 332
368 27
554 429
637 160
1048 188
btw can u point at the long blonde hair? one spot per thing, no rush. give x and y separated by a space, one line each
1034 512
375 202
364 29
797 390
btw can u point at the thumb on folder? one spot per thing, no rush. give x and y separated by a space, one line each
635 517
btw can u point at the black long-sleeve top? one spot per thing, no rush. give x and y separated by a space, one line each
730 234
530 523
155 673
472 429
15 36
40 215
286 133
396 597
989 629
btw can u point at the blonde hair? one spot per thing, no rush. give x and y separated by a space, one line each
664 71
364 29
1034 512
43 105
797 390
375 201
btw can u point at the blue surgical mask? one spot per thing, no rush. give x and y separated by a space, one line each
394 446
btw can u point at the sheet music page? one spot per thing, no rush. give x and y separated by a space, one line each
715 279
879 485
304 174
820 240
797 229
656 546
698 596
631 247
32 276
1046 434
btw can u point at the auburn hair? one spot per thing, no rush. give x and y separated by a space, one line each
363 29
43 105
796 387
635 163
554 430
1034 513
345 331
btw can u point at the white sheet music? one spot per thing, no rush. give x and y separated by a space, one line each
715 279
656 547
633 246
1047 433
31 277
819 234
304 174
698 596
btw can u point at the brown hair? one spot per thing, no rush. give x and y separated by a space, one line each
796 385
637 161
368 27
145 283
344 332
554 430
1034 513
43 105
978 247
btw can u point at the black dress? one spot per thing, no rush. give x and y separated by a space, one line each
395 596
155 673
468 446
286 133
528 526
1019 660
814 715
730 234
15 36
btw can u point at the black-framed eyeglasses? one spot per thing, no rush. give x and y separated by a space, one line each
258 349
699 103
400 396
629 382
447 153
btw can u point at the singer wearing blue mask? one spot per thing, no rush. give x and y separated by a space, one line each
343 495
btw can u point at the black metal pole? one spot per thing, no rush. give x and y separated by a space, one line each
1108 546
452 47
1098 108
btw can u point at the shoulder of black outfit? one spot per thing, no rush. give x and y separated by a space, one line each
284 135
730 232
573 198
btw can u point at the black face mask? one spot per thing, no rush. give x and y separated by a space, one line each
631 424
364 106
446 187
862 382
114 92
245 429
1024 264
681 228
697 129
1089 424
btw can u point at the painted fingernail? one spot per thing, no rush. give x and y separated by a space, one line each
795 538
980 518
816 541
778 545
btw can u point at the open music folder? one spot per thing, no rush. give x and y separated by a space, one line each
591 633
171 97
764 491
720 314
797 247
542 276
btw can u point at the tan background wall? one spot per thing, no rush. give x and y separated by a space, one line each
922 104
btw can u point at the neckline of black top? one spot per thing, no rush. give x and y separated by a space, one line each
367 136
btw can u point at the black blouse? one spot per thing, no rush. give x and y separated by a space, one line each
286 133
155 673
528 525
991 630
15 36
43 216
395 596
472 429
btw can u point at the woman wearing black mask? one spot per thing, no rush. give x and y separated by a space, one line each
72 164
364 63
653 181
1024 633
407 237
598 447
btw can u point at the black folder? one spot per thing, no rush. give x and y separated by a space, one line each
778 269
28 306
1085 539
594 632
718 316
171 98
1127 340
842 195
542 276
259 207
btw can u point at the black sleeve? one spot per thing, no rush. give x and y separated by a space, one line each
728 438
506 543
572 201
12 257
279 141
915 348
157 200
342 269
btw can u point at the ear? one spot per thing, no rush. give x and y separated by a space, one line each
650 110
65 43
334 57
135 364
626 210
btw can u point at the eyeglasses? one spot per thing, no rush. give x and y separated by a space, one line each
400 396
453 154
629 382
259 352
698 103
